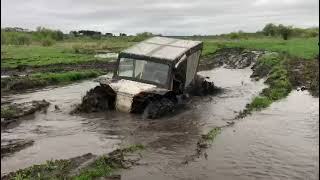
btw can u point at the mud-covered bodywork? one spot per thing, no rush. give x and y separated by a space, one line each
152 74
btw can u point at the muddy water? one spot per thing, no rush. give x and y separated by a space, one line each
281 142
56 133
60 135
277 143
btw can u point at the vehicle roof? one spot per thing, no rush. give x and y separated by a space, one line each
162 48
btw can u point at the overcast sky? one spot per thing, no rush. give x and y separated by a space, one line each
168 17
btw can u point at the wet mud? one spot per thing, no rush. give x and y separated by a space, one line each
304 73
230 58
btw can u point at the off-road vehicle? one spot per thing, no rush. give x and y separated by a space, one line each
151 77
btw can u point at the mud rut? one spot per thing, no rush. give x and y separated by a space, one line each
171 140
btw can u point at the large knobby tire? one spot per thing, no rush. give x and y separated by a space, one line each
100 98
158 108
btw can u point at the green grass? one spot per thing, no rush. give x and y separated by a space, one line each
44 79
35 55
306 48
211 135
56 78
278 81
8 112
103 166
79 50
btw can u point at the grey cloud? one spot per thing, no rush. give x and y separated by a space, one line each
180 17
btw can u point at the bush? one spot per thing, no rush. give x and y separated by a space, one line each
44 33
47 42
15 38
270 29
285 31
234 35
23 40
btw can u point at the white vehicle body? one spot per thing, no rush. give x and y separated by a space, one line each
158 64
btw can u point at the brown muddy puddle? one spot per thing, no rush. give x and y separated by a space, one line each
281 142
170 139
60 135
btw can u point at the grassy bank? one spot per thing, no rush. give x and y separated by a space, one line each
45 79
101 166
8 112
272 66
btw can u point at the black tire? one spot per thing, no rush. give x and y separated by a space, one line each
101 98
158 108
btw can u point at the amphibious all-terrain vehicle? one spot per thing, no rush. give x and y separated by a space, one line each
151 78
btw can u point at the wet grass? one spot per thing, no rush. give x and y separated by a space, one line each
80 50
8 112
13 56
277 79
102 166
306 48
211 135
207 139
45 79
106 165
53 169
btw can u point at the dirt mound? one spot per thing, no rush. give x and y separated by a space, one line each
233 58
11 112
304 73
88 164
14 145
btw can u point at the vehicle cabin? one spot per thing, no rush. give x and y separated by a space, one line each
165 62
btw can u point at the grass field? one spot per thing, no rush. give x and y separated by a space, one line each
44 79
83 50
306 48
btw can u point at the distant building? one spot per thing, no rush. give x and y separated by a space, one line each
15 29
108 34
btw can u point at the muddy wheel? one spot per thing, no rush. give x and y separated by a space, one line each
101 98
158 108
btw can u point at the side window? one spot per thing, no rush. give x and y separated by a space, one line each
126 67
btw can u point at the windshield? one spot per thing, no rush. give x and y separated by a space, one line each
144 70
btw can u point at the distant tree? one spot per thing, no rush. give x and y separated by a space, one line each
89 33
59 35
234 35
270 29
145 34
44 33
73 33
122 34
285 31
108 34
